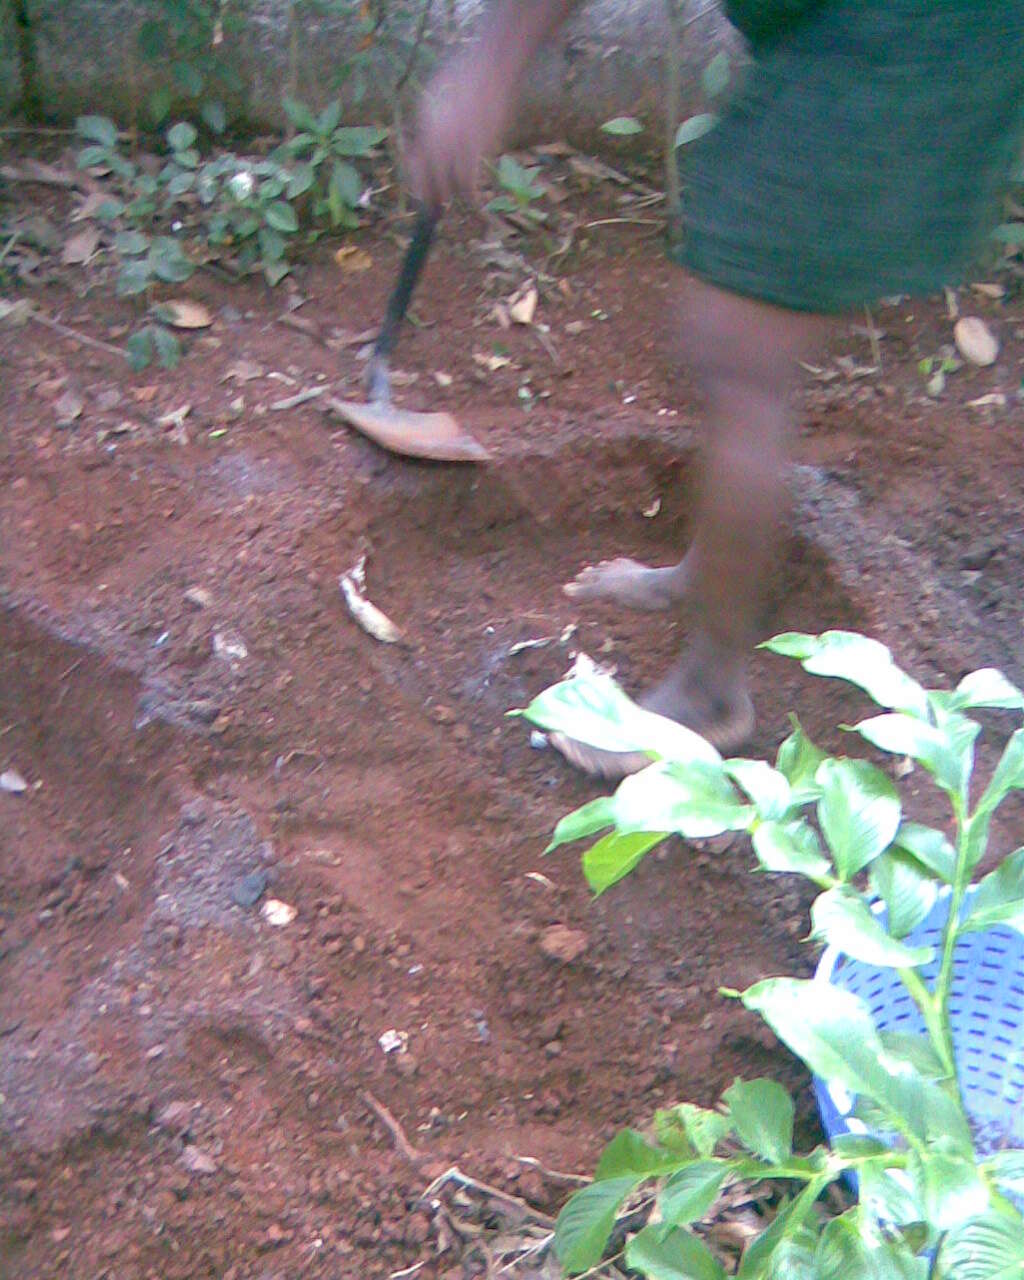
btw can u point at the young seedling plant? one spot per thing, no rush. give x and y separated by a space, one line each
937 1197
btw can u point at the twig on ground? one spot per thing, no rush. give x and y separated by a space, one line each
67 332
555 1176
404 1147
455 1174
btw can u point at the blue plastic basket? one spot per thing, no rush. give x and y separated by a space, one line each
987 1015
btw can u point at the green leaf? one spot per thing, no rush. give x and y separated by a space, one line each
762 1115
1008 1171
300 180
346 183
672 1254
859 812
799 760
586 1222
272 244
990 1248
886 1196
180 183
140 350
935 749
689 1194
701 1129
842 919
329 119
629 1154
614 857
696 800
843 1252
767 787
153 39
167 346
929 847
845 655
357 141
696 127
214 116
916 1051
908 890
790 847
1008 776
999 898
988 688
300 115
131 243
793 1259
716 75
168 262
182 135
1011 233
275 272
790 1223
950 1189
97 129
90 157
622 126
592 708
160 102
590 818
281 216
829 1028
134 277
189 78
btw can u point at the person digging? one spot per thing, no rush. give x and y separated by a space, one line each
862 156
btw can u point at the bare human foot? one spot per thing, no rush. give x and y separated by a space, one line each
709 698
632 584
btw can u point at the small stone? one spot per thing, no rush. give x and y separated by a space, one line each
198 1161
553 1049
248 891
975 341
279 914
406 1065
563 944
551 1028
12 782
175 1116
199 597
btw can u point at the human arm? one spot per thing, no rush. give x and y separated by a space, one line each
466 109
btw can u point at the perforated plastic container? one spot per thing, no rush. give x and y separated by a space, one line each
987 1014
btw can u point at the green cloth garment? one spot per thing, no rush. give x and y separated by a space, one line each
863 153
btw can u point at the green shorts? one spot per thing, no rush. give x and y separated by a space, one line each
863 154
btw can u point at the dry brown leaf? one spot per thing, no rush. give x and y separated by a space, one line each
68 407
522 306
975 341
988 289
183 313
79 248
443 379
351 258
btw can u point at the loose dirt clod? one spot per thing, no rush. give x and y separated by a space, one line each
563 944
198 1161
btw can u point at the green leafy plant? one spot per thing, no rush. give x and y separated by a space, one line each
933 1194
522 189
326 149
188 38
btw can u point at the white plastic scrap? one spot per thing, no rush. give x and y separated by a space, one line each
13 783
393 1041
372 620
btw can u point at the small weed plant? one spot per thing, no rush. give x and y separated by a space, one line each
521 189
251 213
938 1197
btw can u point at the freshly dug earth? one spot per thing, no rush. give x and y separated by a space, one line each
186 1089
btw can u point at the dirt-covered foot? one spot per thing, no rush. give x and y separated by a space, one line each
715 705
631 584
